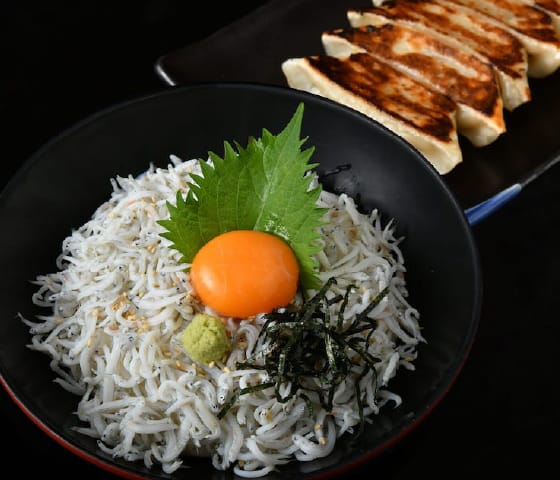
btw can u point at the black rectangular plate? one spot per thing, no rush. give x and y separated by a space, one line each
254 47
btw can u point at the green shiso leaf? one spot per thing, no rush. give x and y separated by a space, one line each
264 186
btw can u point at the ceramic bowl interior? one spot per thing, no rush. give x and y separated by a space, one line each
62 184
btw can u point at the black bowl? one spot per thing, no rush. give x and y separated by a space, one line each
62 184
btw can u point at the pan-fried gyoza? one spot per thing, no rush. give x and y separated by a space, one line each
480 54
423 117
531 25
469 82
462 28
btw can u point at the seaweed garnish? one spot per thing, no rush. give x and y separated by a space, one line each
313 354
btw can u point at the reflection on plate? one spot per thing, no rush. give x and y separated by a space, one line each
253 49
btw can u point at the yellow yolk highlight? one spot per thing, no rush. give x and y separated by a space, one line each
245 272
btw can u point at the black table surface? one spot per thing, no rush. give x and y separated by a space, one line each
62 61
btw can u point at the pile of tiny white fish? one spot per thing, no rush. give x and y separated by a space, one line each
120 299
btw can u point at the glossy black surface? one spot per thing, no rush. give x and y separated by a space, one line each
63 61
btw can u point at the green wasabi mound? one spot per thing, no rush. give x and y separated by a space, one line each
205 339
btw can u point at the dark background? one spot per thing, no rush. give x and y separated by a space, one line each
62 61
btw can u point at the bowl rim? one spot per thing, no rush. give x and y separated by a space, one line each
448 379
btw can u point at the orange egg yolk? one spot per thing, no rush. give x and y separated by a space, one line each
245 272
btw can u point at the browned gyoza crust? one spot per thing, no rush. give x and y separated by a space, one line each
430 69
420 115
552 7
532 25
462 28
467 80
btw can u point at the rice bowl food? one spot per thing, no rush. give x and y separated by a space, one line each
119 304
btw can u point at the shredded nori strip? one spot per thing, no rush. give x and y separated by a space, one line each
312 354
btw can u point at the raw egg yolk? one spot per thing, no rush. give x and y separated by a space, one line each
245 272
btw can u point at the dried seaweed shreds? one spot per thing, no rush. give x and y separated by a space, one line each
310 354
